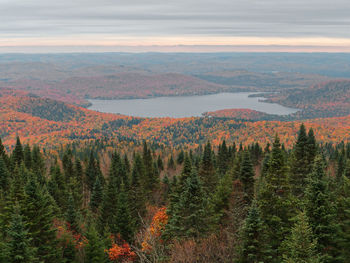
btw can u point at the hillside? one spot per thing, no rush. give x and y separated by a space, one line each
46 121
327 99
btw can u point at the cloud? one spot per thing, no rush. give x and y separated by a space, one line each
137 19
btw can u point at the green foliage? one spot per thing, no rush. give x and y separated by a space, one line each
247 177
301 245
191 216
94 249
254 247
19 247
321 212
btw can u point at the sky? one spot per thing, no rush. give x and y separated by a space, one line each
181 24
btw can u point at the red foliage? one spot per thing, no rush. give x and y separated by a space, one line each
121 253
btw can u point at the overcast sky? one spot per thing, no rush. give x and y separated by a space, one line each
168 22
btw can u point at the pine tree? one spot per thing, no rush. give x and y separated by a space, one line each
17 154
274 200
186 171
72 215
136 193
247 177
20 249
223 158
4 176
301 245
123 222
253 247
39 214
2 150
96 196
27 156
221 196
300 166
207 172
190 215
38 166
150 179
343 217
347 169
171 163
94 249
91 172
109 204
321 213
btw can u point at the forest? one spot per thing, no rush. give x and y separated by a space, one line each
107 201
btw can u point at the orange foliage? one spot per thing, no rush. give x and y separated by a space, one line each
157 226
121 253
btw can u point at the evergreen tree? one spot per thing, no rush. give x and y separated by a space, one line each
186 171
253 247
94 249
20 250
274 200
300 167
96 196
321 213
301 245
136 194
4 176
223 158
17 154
171 163
207 172
190 216
221 196
72 215
247 177
343 211
123 222
347 169
38 165
91 172
27 156
39 214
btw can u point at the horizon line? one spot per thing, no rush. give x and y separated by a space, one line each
176 48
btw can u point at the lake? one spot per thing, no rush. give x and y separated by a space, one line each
187 106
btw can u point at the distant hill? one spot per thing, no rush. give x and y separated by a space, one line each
327 99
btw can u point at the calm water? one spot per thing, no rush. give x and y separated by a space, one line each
187 106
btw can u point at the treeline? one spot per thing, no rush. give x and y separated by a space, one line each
158 204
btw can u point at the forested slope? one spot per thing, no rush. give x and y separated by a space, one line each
136 202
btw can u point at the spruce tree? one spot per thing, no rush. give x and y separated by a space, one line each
207 171
136 193
96 195
91 172
20 250
301 245
321 213
123 223
221 197
190 216
274 200
343 217
247 177
39 214
27 156
300 166
72 215
4 177
254 247
17 154
94 249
